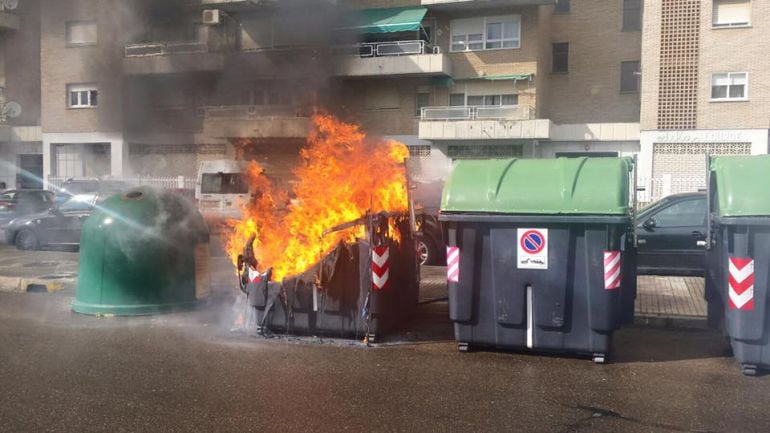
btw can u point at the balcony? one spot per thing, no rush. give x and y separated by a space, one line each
9 21
266 121
482 123
398 58
170 58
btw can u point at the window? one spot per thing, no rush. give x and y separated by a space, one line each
629 77
467 34
82 96
81 33
78 203
562 7
476 151
730 86
224 183
689 213
457 99
731 13
422 100
632 15
560 58
502 34
493 100
486 33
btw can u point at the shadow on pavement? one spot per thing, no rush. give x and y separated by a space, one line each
656 345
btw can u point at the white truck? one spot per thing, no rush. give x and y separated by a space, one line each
222 188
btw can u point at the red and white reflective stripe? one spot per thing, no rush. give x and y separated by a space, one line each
741 279
380 267
254 275
612 266
453 264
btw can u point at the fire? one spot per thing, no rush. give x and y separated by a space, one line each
342 175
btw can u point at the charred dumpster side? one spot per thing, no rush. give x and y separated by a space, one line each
539 252
738 256
360 289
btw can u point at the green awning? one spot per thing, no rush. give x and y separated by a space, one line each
386 20
446 82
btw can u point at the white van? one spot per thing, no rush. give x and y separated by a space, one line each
221 189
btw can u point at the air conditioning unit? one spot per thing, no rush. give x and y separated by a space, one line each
212 16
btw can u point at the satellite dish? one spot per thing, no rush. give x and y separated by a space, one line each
12 109
10 4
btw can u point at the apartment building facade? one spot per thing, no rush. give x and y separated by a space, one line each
152 88
145 88
498 78
21 154
705 87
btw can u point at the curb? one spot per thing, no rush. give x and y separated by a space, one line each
672 322
23 285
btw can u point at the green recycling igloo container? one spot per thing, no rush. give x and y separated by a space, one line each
138 255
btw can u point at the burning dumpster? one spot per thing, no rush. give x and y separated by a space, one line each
335 255
361 288
142 252
540 253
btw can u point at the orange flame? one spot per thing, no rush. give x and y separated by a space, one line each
342 174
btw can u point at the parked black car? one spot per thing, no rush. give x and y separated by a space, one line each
427 200
75 186
430 245
671 236
17 203
58 226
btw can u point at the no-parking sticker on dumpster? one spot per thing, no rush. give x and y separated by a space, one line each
532 249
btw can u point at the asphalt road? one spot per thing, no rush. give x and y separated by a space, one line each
62 372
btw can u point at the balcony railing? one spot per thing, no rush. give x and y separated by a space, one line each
385 49
512 112
164 48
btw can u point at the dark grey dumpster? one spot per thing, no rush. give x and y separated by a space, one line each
738 258
540 253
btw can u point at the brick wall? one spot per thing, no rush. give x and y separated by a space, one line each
735 50
590 92
720 50
99 64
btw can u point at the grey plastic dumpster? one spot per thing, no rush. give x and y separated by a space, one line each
539 253
738 258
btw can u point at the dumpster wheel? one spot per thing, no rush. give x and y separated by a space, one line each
600 358
463 347
749 369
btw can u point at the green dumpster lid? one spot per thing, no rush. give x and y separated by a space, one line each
562 186
386 20
742 185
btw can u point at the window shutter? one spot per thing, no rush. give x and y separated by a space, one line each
732 12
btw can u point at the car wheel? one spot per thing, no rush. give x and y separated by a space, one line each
426 251
26 240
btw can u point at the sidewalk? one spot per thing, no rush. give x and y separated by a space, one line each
670 296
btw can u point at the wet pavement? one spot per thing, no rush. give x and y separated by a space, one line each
64 372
